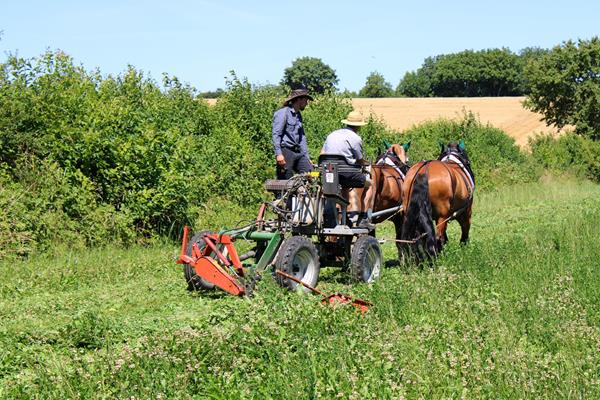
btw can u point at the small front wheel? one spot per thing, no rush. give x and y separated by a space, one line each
298 257
366 259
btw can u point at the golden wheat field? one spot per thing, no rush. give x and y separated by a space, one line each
506 113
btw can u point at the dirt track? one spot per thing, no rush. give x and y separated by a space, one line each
506 113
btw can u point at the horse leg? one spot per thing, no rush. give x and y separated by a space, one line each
440 232
398 220
465 224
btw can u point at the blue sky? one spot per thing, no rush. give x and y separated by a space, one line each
201 41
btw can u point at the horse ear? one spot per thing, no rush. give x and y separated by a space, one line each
406 146
442 145
461 145
386 144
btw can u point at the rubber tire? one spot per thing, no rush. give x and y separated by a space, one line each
366 259
293 251
195 282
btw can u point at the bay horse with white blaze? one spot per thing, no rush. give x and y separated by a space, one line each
438 190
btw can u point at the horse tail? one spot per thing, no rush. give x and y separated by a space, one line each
418 218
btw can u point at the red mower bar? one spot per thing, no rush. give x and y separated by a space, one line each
208 268
361 305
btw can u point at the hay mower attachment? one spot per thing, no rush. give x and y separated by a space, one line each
310 226
210 259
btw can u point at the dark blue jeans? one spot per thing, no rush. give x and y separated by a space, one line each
295 163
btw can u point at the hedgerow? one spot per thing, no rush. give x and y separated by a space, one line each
568 153
496 159
87 159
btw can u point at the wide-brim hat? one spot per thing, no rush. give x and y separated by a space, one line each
298 93
354 119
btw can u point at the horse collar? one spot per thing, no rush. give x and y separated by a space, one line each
457 159
392 160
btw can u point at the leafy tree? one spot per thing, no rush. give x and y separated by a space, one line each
532 53
312 73
565 86
414 84
526 56
376 86
350 94
211 94
500 72
491 72
418 84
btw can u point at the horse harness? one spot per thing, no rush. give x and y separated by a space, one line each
466 175
392 160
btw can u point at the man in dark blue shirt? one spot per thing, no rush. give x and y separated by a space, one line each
289 139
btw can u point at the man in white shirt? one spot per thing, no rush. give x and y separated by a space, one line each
346 142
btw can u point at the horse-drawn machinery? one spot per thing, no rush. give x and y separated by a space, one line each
309 228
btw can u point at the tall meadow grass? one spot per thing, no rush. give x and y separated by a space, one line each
514 314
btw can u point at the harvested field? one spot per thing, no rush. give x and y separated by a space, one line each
505 113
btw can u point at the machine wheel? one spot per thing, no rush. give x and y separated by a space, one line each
366 259
298 257
194 282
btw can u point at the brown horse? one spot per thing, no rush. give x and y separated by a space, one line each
387 178
438 190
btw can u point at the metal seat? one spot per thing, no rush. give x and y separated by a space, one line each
278 185
336 159
330 164
330 183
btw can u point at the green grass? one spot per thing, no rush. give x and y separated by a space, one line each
514 314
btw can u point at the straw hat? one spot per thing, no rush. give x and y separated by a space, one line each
297 93
354 119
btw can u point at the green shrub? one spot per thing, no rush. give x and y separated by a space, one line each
249 110
99 159
43 207
568 153
129 143
495 158
231 166
321 117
